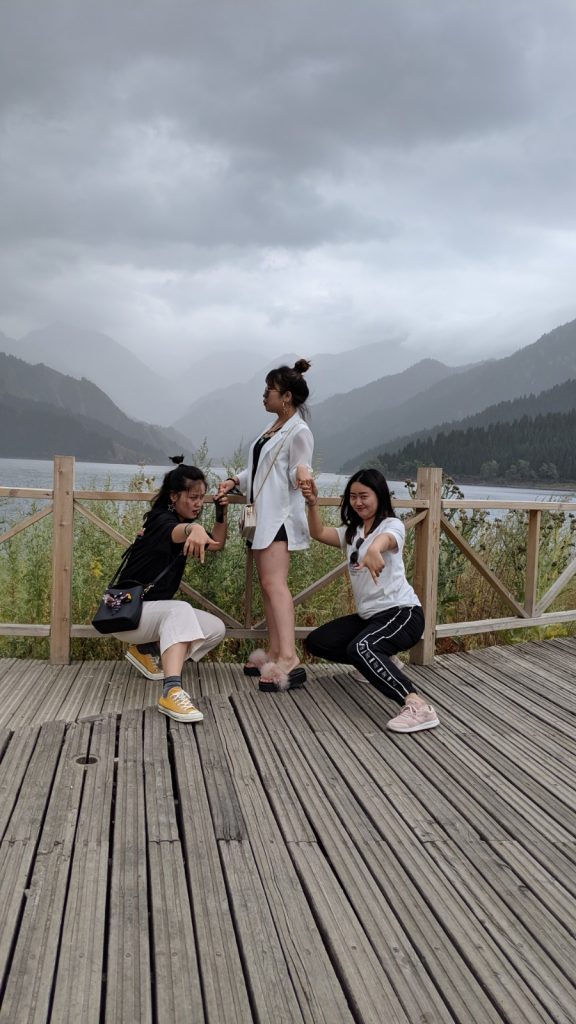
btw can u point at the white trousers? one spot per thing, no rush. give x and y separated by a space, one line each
176 622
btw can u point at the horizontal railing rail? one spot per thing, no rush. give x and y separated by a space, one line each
429 521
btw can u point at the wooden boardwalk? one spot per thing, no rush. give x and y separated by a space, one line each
288 860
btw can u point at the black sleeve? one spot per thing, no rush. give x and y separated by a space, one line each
159 526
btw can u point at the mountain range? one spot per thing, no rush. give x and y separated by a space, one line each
232 415
547 362
364 402
44 412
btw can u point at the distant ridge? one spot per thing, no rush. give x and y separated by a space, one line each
43 410
345 422
531 370
233 414
560 398
81 353
531 448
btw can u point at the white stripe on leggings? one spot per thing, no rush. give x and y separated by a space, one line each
380 669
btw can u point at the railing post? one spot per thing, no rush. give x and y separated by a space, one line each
62 544
532 552
427 560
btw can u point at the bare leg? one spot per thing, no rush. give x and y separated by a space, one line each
173 659
273 564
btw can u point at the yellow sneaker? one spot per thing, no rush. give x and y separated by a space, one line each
145 663
179 706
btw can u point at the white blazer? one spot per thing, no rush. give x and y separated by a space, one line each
280 502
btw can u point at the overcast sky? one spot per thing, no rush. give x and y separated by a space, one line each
281 175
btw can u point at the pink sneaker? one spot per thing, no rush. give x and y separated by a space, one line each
414 717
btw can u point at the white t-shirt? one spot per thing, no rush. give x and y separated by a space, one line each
392 589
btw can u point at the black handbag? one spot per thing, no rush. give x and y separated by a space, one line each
120 609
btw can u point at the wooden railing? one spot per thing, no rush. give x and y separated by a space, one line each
428 521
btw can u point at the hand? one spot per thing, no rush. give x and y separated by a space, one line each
309 489
220 503
374 562
224 487
303 477
195 543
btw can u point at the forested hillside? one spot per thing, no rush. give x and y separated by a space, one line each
531 448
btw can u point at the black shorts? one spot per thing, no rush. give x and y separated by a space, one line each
281 535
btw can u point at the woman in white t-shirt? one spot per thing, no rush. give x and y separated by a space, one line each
389 616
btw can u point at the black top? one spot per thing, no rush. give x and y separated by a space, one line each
152 551
256 453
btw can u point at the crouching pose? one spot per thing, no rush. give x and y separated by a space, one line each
168 537
389 617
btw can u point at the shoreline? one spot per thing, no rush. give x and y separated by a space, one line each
561 485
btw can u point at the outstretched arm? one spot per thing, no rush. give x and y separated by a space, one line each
325 534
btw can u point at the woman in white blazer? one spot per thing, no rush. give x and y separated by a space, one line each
279 463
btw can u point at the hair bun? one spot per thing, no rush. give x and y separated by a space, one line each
302 365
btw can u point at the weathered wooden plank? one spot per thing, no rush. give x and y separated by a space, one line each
176 975
341 889
537 879
86 695
220 779
231 678
510 715
114 699
129 973
271 986
510 622
96 678
26 775
24 629
46 708
544 960
25 523
25 676
140 692
264 750
79 978
541 683
5 735
433 816
13 768
549 767
473 782
315 984
405 934
473 938
501 725
223 984
370 993
29 986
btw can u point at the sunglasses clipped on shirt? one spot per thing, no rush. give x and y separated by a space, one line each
355 554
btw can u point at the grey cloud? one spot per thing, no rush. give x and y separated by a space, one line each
405 142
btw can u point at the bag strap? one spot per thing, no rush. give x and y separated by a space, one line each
148 586
276 454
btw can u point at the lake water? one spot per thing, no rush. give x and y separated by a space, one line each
97 475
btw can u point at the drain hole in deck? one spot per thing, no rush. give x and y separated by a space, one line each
86 760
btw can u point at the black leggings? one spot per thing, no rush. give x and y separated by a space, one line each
367 644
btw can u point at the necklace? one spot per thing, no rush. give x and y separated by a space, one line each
274 430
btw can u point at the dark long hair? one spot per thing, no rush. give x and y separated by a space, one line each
291 379
376 481
175 481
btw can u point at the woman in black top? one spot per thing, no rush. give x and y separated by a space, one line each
169 536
